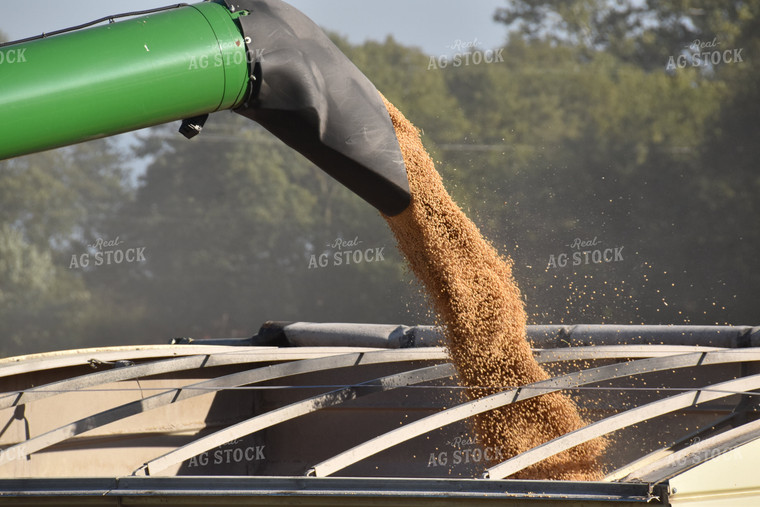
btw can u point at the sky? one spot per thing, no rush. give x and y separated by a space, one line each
435 26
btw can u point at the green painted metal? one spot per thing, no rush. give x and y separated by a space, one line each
119 77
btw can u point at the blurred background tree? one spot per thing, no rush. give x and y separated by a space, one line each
664 161
53 203
580 132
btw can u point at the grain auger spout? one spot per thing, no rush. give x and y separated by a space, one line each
262 59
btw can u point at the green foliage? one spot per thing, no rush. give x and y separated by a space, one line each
644 33
660 162
61 196
39 304
52 203
581 132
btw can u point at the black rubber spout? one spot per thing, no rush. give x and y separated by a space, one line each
311 96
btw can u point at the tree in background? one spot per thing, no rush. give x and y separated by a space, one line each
657 157
52 203
580 132
644 33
